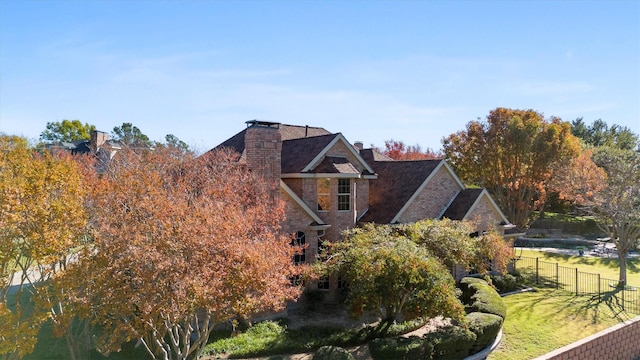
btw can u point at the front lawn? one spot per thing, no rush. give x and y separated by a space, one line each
607 267
542 321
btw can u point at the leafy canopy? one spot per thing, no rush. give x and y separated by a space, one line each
67 131
511 154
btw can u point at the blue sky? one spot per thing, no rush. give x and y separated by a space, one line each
374 70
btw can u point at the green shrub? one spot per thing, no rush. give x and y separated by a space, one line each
467 291
332 353
454 342
486 328
487 300
399 348
505 283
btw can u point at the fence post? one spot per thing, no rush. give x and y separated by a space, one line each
577 281
557 278
598 286
537 270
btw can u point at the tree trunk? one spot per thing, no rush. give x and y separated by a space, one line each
622 280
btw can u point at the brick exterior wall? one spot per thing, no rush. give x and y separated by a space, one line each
619 342
298 220
484 216
362 196
433 199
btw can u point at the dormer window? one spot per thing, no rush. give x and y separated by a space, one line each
344 194
324 194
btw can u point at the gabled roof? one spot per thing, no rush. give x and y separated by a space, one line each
466 201
336 165
298 153
398 182
370 155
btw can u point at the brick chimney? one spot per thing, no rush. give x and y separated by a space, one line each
98 138
263 146
358 145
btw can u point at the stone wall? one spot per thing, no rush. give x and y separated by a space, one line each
618 342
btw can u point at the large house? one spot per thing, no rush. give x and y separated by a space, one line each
329 185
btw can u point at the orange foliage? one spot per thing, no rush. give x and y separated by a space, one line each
180 244
397 150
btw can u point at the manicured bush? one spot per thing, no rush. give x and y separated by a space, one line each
487 300
454 342
332 353
400 348
505 283
467 291
486 328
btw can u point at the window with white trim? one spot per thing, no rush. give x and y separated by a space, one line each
324 194
344 194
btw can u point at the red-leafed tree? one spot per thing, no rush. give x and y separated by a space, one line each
180 244
397 150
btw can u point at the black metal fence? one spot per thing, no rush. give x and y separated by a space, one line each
551 274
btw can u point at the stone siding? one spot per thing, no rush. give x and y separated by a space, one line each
433 198
618 342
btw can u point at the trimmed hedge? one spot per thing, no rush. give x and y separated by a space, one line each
400 348
486 311
452 343
486 328
332 353
479 296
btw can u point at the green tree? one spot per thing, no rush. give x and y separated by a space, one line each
67 131
452 243
511 155
173 141
130 135
617 206
599 133
390 275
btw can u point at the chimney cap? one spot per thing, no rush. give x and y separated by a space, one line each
263 123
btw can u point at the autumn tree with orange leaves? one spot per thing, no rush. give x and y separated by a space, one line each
181 244
511 154
42 221
397 150
576 180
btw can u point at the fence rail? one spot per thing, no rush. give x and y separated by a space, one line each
581 283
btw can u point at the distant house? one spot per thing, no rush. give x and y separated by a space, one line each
329 185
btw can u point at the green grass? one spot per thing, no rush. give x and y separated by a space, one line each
542 321
607 267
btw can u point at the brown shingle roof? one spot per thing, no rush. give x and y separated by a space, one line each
397 182
298 153
370 155
287 132
335 165
461 205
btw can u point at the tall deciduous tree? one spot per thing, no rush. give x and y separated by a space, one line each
397 150
617 206
67 130
180 245
511 155
576 180
42 220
